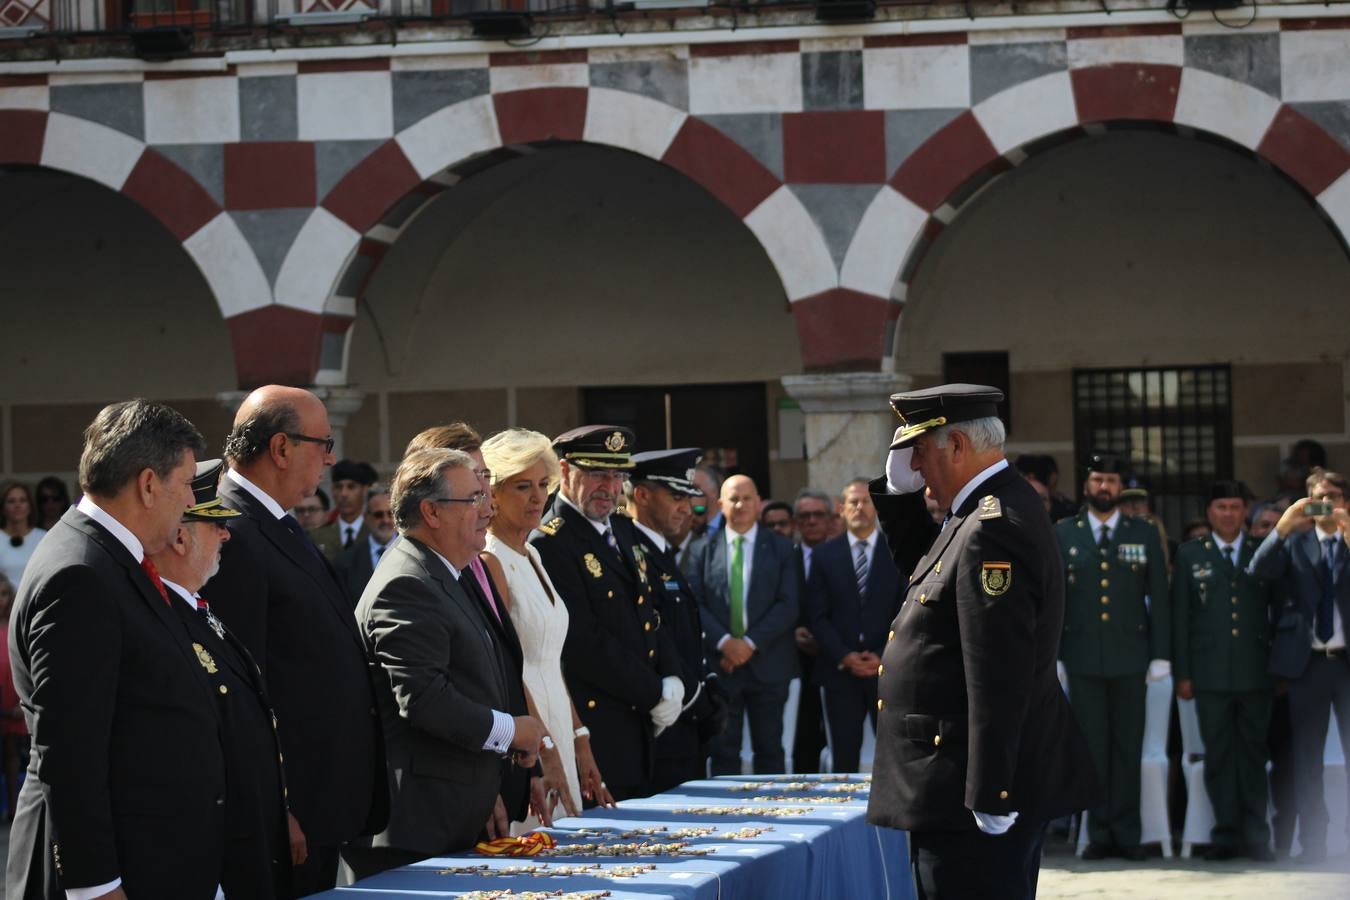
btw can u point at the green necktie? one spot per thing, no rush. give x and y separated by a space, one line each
737 588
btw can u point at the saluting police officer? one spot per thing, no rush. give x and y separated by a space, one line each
1117 629
976 745
620 664
661 487
1221 641
258 852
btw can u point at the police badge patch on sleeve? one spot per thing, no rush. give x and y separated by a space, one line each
996 578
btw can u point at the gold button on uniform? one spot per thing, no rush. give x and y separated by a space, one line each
1106 582
1235 632
651 654
641 600
590 704
1106 617
1106 601
891 636
224 689
610 595
1003 795
881 704
646 626
1235 617
1235 601
937 740
880 668
923 597
1106 566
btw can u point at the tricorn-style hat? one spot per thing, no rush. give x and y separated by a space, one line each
206 504
1105 462
1228 489
923 411
1136 488
673 468
597 447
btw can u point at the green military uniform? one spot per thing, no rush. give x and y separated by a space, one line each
1221 638
1116 620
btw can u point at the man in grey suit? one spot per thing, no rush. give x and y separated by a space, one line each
746 583
1307 550
445 681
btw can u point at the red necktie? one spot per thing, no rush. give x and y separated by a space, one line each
153 573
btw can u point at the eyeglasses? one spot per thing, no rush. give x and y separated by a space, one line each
477 498
326 442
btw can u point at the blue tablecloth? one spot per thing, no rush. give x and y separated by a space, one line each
829 851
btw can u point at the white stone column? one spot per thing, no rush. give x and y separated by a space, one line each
341 403
849 423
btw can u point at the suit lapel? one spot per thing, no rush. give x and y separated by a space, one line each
939 547
718 581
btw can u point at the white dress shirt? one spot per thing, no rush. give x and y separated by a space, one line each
656 537
1112 522
258 493
602 526
747 563
870 542
354 527
975 482
378 550
806 559
1337 641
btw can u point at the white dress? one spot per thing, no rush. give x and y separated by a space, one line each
540 618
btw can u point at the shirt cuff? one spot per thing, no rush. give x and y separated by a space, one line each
722 640
89 893
750 643
502 734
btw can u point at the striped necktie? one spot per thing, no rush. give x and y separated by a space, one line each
861 567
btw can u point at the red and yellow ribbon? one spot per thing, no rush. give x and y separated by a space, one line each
525 845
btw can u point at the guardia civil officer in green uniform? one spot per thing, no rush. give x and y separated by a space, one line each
620 664
1220 642
1117 629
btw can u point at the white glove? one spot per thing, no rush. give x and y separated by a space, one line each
667 711
900 478
1062 674
992 823
1158 669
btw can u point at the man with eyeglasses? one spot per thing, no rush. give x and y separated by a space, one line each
621 665
278 593
351 486
355 565
1307 551
811 512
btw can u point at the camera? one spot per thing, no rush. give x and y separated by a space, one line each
1317 508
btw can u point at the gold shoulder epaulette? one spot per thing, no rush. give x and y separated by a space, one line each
551 528
990 508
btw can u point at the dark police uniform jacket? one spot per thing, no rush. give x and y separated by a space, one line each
971 715
1221 618
281 597
1108 630
257 846
127 774
617 651
679 615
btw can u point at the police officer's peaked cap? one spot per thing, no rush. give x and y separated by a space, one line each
597 447
206 505
947 404
673 468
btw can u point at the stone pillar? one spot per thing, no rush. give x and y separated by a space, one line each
341 402
849 423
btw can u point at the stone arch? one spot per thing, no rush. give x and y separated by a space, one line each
342 243
928 188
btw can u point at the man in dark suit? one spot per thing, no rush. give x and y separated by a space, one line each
811 512
261 837
351 484
281 597
355 564
976 747
104 670
661 488
620 663
747 588
445 678
1220 649
852 596
1308 554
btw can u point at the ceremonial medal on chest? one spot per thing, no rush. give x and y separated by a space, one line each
592 565
208 662
216 625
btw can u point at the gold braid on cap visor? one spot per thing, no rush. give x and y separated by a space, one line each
908 431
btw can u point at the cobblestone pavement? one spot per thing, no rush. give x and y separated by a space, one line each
1064 876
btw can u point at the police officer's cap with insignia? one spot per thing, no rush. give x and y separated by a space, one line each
947 404
672 468
1105 463
206 505
596 447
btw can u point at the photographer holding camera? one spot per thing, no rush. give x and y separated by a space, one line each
1307 547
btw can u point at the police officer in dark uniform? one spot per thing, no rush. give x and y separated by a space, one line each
258 852
661 488
1117 631
1221 617
977 748
621 667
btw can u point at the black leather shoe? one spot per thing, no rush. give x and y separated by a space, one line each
1134 854
1221 852
1096 851
1261 853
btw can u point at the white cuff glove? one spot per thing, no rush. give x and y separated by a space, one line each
900 478
665 713
992 823
1158 669
1063 675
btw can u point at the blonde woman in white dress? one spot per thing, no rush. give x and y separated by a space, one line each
524 472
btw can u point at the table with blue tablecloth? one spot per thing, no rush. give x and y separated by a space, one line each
786 836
